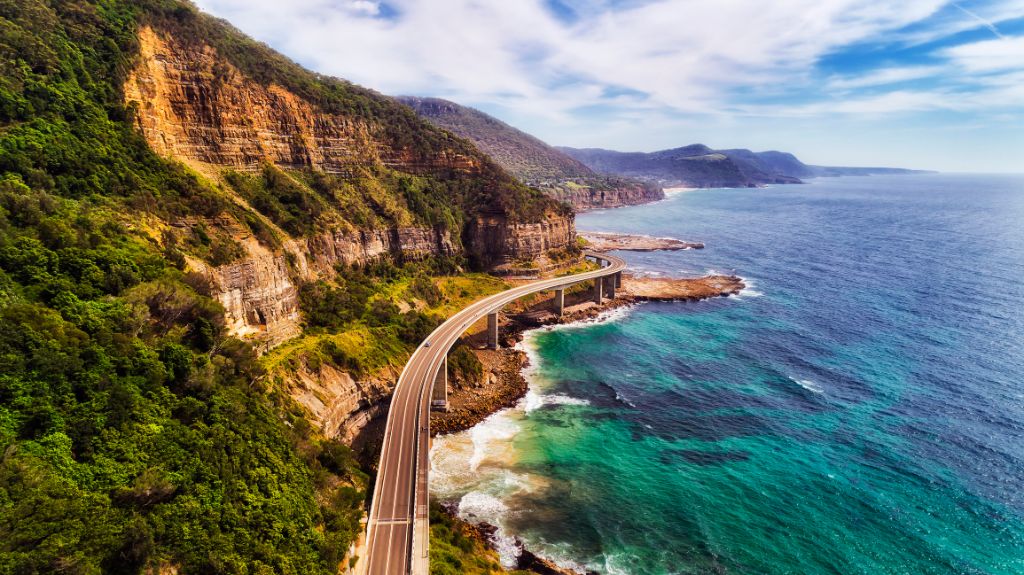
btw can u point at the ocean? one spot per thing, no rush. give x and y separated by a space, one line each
859 408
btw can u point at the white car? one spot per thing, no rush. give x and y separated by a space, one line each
426 344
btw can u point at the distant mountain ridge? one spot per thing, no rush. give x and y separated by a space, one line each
532 161
699 166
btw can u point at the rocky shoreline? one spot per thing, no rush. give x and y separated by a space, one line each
605 242
504 385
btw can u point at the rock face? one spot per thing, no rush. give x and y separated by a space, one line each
259 292
610 193
502 242
340 404
259 297
195 106
324 252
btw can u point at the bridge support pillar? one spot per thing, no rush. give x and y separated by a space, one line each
492 330
598 289
611 286
618 279
559 301
439 395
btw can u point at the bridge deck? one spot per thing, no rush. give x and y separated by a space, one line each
398 530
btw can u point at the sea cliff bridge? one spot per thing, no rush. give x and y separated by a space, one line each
398 530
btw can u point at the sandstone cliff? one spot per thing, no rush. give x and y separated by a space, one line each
389 179
194 105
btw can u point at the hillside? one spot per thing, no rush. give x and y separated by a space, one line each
532 161
177 201
699 166
696 166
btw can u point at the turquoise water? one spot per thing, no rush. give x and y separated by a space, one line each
859 409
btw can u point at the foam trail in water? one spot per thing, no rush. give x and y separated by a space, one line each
808 385
749 289
535 400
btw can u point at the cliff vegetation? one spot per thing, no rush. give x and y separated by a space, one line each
146 259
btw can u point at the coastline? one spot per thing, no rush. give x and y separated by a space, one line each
507 385
504 384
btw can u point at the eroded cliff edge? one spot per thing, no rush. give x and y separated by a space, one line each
384 184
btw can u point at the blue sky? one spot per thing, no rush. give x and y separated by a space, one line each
916 83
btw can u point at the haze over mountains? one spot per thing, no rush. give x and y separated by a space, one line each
598 178
699 166
533 161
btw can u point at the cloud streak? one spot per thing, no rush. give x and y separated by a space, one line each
613 62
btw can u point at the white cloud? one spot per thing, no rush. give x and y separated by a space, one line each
683 55
989 15
651 70
885 76
989 56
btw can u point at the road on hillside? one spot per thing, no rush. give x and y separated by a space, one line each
398 531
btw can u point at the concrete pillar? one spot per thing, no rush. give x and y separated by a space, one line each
559 302
598 289
618 279
492 330
439 395
611 286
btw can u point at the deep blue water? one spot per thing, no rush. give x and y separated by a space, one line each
860 409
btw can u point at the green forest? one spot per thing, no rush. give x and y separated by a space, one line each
135 432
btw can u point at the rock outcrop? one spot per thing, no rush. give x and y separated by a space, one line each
597 193
259 291
323 252
340 404
604 242
502 242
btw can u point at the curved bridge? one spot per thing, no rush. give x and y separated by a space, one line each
398 531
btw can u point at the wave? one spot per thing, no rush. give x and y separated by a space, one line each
676 190
480 507
622 399
528 344
808 385
749 289
498 427
534 401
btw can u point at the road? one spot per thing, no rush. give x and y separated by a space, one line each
398 527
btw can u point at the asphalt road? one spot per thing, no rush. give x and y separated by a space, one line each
398 530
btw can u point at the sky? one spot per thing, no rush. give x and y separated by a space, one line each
929 84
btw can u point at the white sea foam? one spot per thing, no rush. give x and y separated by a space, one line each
482 507
508 548
624 399
535 400
494 429
749 289
669 192
808 385
477 466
